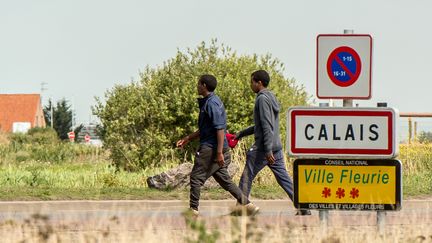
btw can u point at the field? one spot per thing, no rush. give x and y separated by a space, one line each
130 225
63 171
75 171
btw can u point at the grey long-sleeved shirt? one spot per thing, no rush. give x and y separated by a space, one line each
266 119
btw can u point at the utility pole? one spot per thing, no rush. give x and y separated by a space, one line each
73 113
44 88
51 113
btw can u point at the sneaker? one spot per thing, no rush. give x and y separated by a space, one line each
191 213
194 212
303 212
249 209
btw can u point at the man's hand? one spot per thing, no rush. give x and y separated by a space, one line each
270 158
220 159
182 142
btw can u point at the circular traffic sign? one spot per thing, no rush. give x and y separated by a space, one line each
344 66
71 134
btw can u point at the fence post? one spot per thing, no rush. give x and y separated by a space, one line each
409 130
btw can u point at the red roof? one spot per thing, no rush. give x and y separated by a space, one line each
20 108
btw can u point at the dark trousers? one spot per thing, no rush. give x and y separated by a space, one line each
206 166
256 161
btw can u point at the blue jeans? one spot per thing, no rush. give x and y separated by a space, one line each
255 162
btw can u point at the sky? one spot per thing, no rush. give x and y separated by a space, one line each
80 49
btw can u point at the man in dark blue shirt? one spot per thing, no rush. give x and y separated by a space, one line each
213 155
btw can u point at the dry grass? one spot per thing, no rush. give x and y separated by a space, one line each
416 157
4 138
229 229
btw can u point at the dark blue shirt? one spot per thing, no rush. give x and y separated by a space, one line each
212 117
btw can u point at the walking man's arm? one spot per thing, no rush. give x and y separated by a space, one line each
220 143
182 142
267 119
245 132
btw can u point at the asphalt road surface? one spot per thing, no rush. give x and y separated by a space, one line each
136 214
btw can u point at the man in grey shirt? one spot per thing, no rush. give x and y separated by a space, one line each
267 149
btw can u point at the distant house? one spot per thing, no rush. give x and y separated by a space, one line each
20 112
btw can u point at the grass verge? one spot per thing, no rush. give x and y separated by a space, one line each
93 177
49 193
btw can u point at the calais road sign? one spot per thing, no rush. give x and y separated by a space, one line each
344 69
347 184
315 132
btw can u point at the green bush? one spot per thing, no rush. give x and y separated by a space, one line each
56 153
35 135
21 156
61 152
143 120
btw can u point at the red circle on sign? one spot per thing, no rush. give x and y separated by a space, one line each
334 57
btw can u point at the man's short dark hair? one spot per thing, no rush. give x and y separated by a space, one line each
261 75
209 80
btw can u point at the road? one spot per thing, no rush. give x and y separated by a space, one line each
135 215
170 212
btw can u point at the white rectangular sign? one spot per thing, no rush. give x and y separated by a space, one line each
342 132
21 127
344 66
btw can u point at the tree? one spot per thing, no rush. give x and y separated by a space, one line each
143 119
77 130
425 137
62 117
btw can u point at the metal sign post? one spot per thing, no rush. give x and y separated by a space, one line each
381 215
348 102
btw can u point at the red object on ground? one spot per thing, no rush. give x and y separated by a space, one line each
232 142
